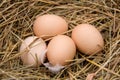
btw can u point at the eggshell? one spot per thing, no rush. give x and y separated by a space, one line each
49 25
60 49
36 48
87 39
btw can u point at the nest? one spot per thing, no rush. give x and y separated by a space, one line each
16 22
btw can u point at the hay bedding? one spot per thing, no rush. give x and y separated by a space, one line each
16 20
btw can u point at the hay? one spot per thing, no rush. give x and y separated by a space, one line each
16 20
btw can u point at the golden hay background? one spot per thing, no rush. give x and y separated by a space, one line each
16 20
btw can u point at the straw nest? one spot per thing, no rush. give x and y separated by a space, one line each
16 21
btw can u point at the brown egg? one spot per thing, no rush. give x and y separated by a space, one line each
49 25
87 39
60 49
36 49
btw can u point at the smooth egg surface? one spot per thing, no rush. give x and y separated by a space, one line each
49 25
87 39
36 48
60 49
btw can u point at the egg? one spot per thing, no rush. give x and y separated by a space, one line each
34 55
87 39
60 49
49 25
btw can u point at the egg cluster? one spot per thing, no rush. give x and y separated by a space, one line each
61 48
